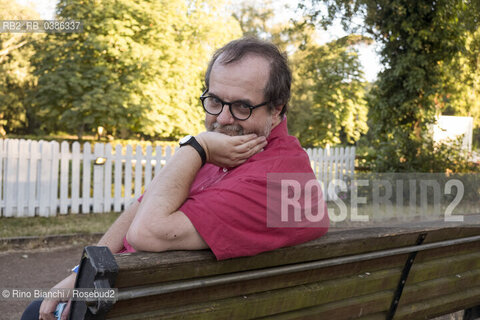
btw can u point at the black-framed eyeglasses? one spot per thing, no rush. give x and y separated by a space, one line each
240 110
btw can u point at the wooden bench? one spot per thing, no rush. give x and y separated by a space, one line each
369 273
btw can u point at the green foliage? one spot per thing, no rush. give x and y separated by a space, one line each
461 94
328 102
258 19
419 39
327 105
15 70
446 157
254 18
135 68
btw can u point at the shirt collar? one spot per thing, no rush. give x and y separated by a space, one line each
279 131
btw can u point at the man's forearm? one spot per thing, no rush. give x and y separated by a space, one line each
158 225
113 238
167 192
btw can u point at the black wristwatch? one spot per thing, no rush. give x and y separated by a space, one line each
191 141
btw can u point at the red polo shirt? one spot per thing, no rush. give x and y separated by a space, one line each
228 207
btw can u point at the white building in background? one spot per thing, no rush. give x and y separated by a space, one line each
451 128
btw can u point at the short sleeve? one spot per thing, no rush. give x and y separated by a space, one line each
232 219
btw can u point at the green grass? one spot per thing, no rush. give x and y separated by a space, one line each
67 224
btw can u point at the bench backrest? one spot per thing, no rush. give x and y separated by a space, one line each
376 273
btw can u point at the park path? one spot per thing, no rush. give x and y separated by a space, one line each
40 268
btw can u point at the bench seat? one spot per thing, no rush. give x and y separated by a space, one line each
401 272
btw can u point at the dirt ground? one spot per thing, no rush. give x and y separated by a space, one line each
42 268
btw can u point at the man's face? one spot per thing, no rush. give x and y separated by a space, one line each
242 80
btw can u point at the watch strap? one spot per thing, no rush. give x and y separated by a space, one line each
194 143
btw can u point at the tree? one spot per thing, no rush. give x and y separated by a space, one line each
258 18
135 68
462 83
328 100
419 39
327 104
15 70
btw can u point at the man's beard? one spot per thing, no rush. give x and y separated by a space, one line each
237 130
230 129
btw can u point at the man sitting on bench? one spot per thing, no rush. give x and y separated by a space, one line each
213 192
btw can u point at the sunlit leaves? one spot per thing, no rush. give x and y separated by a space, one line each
136 69
15 70
328 97
421 40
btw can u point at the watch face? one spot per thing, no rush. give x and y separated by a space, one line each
185 139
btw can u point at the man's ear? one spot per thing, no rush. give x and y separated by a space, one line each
277 110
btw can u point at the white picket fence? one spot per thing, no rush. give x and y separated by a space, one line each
39 178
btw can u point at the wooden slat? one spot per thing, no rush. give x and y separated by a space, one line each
291 298
341 164
317 162
86 180
22 187
98 178
460 300
336 163
117 202
158 158
425 256
11 177
326 170
148 166
55 166
45 178
146 268
440 267
470 227
309 154
138 171
33 178
76 157
364 307
321 167
168 153
317 156
370 306
127 195
107 191
330 166
439 287
64 175
364 271
352 161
